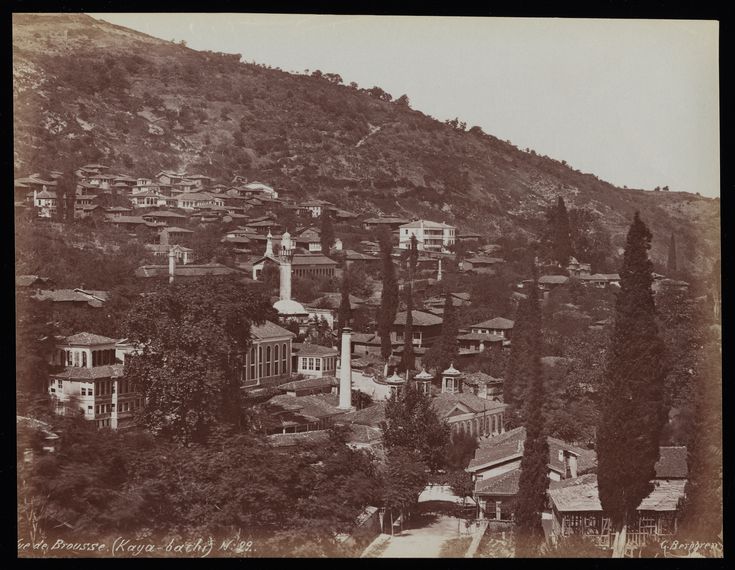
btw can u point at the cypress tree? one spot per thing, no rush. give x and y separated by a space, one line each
408 357
445 349
633 411
345 309
671 261
534 480
523 352
562 234
389 296
326 236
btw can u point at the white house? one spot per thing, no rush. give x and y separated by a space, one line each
431 236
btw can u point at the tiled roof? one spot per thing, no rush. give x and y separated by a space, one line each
311 259
474 378
174 229
311 408
426 224
94 298
496 323
420 318
444 403
553 279
89 339
164 214
78 373
370 416
308 349
484 259
503 484
185 270
309 383
581 494
672 463
300 438
269 330
500 448
127 220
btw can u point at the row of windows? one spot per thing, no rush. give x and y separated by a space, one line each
315 363
121 407
272 363
313 271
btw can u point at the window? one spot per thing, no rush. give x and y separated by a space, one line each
84 391
90 392
284 355
68 358
268 360
76 358
561 455
275 360
252 363
317 364
60 383
89 408
84 359
260 362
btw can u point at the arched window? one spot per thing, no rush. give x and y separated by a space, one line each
84 359
251 375
260 362
275 360
268 360
76 358
284 356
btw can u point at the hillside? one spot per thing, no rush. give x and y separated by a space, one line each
88 91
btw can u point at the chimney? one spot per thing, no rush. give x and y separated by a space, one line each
171 265
345 371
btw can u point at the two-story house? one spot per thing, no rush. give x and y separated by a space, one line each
430 236
88 380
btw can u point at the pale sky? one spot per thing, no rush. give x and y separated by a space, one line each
635 102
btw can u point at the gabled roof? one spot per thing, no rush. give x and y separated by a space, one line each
553 279
164 214
420 319
308 349
445 403
269 330
483 337
97 372
309 384
370 416
28 280
426 224
496 323
174 229
93 298
311 259
88 339
503 484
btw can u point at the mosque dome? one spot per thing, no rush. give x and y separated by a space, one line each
289 307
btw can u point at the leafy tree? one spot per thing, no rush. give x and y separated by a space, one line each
411 422
189 338
404 477
632 398
534 480
389 296
65 195
671 260
326 235
461 451
444 350
34 341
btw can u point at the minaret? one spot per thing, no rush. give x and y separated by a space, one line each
439 272
285 260
171 265
269 245
345 371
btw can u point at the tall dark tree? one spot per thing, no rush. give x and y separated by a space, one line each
389 297
671 261
66 186
345 309
326 235
534 480
701 515
562 237
524 352
444 351
408 357
633 395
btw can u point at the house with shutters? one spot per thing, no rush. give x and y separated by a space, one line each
495 470
87 378
499 326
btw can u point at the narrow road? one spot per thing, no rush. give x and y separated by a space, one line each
422 542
